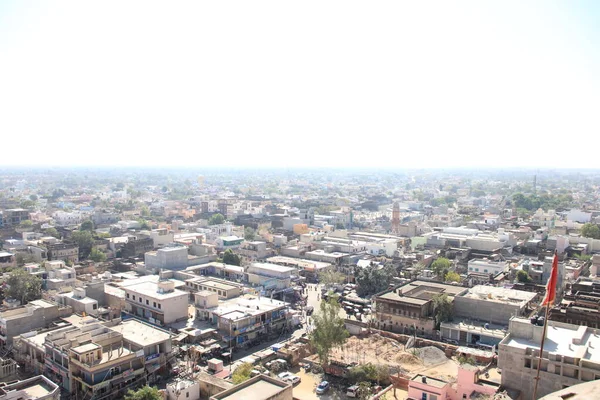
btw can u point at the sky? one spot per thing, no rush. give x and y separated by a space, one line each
386 84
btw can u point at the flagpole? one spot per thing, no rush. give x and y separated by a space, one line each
537 378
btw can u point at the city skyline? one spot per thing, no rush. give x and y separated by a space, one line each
321 85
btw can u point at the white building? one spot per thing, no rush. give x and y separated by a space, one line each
487 266
158 302
578 216
63 218
171 258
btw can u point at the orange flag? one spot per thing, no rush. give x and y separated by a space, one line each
551 285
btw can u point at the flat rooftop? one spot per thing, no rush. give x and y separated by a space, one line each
298 262
422 292
141 334
212 283
150 289
499 294
438 383
247 305
561 340
254 389
272 267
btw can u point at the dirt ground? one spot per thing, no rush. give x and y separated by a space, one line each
376 349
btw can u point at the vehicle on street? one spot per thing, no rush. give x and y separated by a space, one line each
352 391
284 375
293 379
323 387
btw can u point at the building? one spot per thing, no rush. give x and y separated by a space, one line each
136 247
261 387
34 315
307 268
14 216
580 304
271 277
158 302
79 302
7 260
171 258
243 318
58 275
224 289
468 385
570 356
410 306
63 251
36 388
253 251
228 242
220 270
487 266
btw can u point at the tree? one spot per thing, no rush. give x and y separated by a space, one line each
87 226
242 373
441 266
374 279
590 230
52 232
144 393
249 233
33 198
364 391
97 256
145 211
452 277
85 241
216 219
329 277
26 224
443 309
23 286
329 329
523 276
144 224
27 204
229 257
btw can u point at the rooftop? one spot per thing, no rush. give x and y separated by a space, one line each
421 292
257 388
499 294
141 334
438 383
150 289
272 267
247 305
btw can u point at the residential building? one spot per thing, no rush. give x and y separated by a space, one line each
34 315
410 306
271 277
79 302
62 218
7 260
261 387
161 237
136 246
170 258
580 304
158 302
63 251
254 250
335 258
36 388
228 242
542 218
243 318
487 266
103 217
58 275
8 369
224 289
570 356
469 384
307 268
220 270
14 216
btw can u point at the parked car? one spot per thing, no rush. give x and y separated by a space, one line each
352 391
284 375
293 379
270 364
323 387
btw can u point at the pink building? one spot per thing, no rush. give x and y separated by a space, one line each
422 387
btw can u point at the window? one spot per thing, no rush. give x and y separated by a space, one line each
485 270
154 303
423 396
94 306
159 306
127 295
147 302
187 394
134 297
140 299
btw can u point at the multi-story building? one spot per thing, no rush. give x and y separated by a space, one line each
570 356
63 218
34 315
7 260
136 246
59 275
14 216
224 289
158 302
63 251
36 388
261 387
253 251
307 268
410 306
270 277
243 318
487 266
228 242
174 257
580 304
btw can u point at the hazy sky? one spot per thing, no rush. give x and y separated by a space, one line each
311 83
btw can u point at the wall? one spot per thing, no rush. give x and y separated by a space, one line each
484 310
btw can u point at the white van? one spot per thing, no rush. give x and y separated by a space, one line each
352 391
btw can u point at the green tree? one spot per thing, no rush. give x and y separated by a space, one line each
87 226
27 204
229 257
33 198
329 329
97 255
590 230
329 277
364 391
249 233
26 224
144 393
216 219
443 309
52 232
441 266
145 211
85 241
23 286
242 373
452 277
523 276
374 279
144 224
